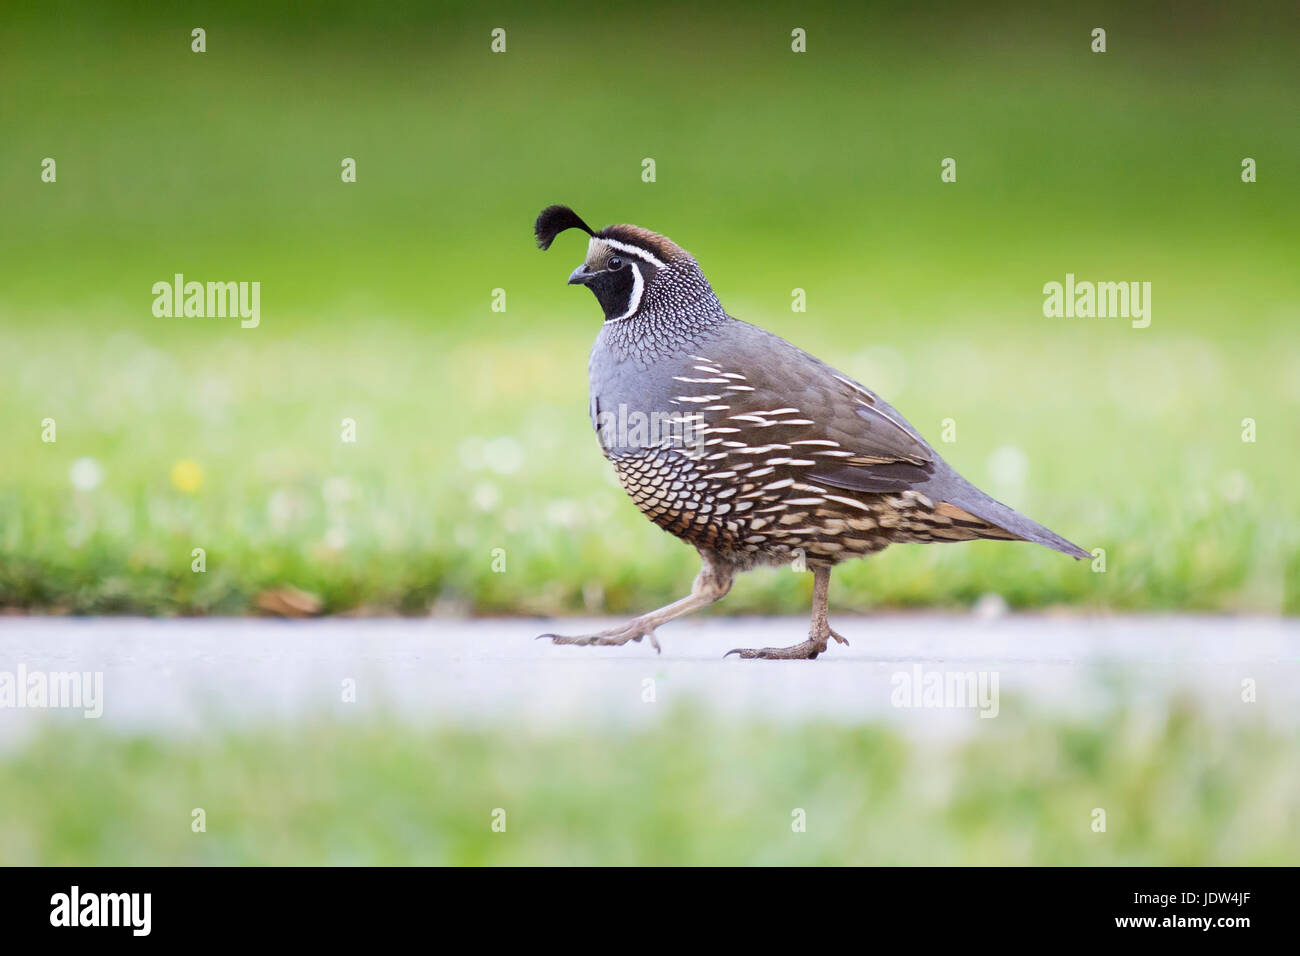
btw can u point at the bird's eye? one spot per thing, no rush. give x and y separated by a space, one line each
615 263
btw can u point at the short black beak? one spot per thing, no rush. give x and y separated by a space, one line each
580 275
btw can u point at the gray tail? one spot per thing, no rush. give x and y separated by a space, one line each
1012 522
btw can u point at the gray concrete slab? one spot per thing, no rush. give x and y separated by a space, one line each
208 675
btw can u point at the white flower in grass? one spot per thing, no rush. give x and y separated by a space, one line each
990 606
1235 486
504 455
85 474
485 497
284 507
1008 468
564 513
336 491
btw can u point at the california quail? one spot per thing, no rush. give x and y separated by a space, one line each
748 448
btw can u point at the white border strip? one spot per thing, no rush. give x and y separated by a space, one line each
638 287
635 250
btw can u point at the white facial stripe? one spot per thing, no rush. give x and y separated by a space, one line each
634 301
624 247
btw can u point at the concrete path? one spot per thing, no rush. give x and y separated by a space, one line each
205 675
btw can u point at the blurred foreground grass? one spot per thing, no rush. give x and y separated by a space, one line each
1178 788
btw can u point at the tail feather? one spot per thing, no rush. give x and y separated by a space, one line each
1009 524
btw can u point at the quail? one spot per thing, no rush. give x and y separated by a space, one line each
747 447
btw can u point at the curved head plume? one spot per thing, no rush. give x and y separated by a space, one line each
626 266
553 220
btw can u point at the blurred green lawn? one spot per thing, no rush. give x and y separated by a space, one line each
818 171
1178 788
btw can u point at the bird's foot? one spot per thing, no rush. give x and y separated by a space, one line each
803 651
614 637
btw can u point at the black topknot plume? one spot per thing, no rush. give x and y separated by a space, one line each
553 220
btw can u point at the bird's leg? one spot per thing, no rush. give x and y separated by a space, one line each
713 581
818 633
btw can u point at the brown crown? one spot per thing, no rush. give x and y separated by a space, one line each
657 245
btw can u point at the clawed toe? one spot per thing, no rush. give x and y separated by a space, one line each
805 651
605 638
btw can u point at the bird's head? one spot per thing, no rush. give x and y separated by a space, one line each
627 267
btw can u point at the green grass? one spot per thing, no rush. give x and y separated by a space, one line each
779 171
402 520
1180 788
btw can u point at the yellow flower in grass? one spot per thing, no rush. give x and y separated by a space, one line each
187 476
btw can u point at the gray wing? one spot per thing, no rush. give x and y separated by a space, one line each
878 451
837 432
